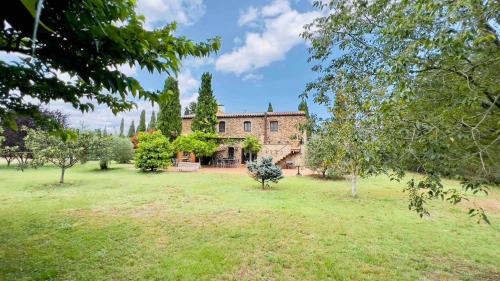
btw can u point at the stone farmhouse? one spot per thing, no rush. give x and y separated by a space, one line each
278 132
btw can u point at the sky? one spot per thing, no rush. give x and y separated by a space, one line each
262 58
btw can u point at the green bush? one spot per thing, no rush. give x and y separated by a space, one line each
265 171
123 150
154 151
201 144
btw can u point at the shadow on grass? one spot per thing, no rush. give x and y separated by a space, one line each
54 185
320 177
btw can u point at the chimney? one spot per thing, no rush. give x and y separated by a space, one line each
220 109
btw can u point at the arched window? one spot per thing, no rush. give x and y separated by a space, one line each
222 127
247 126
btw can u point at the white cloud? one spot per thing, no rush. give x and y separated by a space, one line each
187 87
252 77
159 12
248 16
282 27
276 8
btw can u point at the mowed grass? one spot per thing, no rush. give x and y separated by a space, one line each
124 225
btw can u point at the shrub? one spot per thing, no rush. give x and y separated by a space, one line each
123 150
265 171
154 151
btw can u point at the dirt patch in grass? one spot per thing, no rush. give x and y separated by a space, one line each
490 205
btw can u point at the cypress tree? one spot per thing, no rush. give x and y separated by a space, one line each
131 130
152 122
205 117
122 127
169 118
142 122
105 132
303 107
270 108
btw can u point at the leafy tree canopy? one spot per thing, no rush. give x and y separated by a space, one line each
420 76
201 144
88 40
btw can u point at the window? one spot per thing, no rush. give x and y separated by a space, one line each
222 127
274 126
247 126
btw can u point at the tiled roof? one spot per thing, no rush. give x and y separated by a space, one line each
254 114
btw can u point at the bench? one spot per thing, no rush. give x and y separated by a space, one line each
188 167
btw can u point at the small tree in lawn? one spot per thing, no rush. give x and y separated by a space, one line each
252 145
64 153
321 153
154 151
142 122
123 150
264 171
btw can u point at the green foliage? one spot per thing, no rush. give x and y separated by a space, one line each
122 128
123 150
321 153
131 130
270 108
428 87
169 117
191 108
199 143
152 122
304 107
252 144
264 171
154 151
142 122
89 40
64 154
205 118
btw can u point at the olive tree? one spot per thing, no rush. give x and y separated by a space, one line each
63 153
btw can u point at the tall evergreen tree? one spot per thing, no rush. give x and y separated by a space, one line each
152 122
205 117
303 107
142 122
131 130
122 128
270 108
169 118
105 132
192 107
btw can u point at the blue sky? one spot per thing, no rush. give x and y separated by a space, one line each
262 58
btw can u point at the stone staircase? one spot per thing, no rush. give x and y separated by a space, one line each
279 152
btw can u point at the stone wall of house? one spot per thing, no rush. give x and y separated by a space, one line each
288 128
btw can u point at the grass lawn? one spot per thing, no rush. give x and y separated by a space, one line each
124 225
